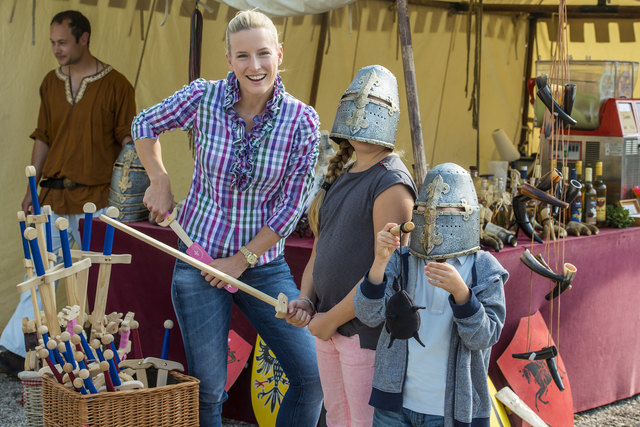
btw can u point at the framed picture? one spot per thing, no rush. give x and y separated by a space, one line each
630 205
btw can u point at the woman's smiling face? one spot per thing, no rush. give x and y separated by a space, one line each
254 57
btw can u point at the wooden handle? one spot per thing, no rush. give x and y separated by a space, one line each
197 264
89 208
405 227
62 223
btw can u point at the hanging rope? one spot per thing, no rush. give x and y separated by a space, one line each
195 44
475 9
195 58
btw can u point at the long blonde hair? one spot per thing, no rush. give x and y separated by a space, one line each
334 170
249 20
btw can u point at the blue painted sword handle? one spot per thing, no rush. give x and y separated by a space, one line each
47 227
66 250
86 236
25 242
35 203
35 251
89 209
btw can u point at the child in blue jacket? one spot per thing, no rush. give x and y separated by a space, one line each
460 289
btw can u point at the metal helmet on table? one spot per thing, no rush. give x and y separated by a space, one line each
369 109
446 215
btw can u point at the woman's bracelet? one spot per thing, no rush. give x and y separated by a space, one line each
313 306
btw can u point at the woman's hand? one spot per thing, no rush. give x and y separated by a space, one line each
322 327
300 313
445 276
158 198
234 266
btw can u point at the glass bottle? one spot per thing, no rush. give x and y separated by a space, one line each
500 211
590 199
473 171
576 205
580 179
601 197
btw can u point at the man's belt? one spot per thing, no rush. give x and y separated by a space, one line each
60 183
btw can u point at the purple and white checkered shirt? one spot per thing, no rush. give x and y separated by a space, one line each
241 181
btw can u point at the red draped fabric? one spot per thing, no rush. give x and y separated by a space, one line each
598 341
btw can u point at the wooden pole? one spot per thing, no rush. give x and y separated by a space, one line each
528 65
420 163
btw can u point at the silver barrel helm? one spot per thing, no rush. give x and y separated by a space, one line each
368 110
446 215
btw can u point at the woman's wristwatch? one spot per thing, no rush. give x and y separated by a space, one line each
251 258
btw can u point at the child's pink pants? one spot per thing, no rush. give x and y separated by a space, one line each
346 375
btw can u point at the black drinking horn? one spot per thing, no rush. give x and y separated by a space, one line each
548 179
573 188
548 354
542 354
568 97
541 196
519 204
541 81
538 265
569 271
544 93
569 274
534 265
553 370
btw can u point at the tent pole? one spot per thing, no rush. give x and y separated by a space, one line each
528 65
315 82
420 163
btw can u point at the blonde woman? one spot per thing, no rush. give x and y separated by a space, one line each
256 149
355 203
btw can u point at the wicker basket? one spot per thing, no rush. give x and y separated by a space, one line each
32 397
171 405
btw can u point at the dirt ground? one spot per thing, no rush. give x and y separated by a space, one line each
624 413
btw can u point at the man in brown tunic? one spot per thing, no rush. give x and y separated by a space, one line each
85 118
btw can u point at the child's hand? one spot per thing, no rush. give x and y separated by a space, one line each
299 313
322 327
386 243
445 276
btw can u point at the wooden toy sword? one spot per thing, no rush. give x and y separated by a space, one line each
280 304
193 248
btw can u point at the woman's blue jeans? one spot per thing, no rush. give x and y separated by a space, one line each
204 315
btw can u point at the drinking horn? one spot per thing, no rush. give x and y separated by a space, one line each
572 190
544 93
539 266
548 354
535 193
519 204
568 97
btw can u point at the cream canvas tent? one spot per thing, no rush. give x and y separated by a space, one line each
361 33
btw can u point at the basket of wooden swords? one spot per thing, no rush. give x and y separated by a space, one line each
175 404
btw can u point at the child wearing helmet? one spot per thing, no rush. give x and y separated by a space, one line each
458 292
355 203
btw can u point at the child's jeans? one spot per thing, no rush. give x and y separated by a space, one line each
346 375
406 417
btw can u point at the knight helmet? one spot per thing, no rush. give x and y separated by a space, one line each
369 109
446 215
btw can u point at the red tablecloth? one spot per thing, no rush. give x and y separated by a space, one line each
599 316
